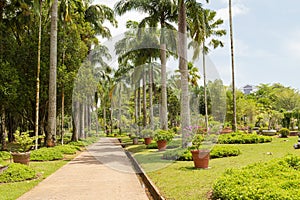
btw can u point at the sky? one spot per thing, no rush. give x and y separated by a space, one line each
266 40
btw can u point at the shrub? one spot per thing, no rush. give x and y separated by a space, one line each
17 172
46 154
4 155
78 143
67 149
163 135
152 145
217 152
276 179
284 132
243 138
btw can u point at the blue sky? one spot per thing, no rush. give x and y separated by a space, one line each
266 41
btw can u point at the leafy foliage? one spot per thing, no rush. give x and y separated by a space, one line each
163 135
4 155
68 149
284 132
17 172
217 152
276 179
242 138
23 141
46 154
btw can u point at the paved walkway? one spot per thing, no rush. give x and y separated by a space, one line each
103 172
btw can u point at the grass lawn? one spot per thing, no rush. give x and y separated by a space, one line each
179 180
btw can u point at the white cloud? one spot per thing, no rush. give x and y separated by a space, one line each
238 8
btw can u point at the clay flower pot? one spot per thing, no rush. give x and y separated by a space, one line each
22 158
161 145
201 158
147 140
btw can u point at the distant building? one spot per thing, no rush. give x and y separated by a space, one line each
248 89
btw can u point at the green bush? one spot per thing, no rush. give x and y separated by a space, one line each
217 152
284 132
68 149
276 179
152 145
243 138
17 172
160 134
46 154
4 155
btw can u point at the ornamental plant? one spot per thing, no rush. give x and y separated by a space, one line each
197 141
23 142
147 133
284 132
163 135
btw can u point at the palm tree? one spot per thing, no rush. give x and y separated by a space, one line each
161 12
51 132
202 25
232 69
183 67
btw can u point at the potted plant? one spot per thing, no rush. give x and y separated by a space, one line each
162 137
147 134
21 147
135 139
200 156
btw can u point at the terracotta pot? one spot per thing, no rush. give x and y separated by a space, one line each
22 158
200 158
161 145
148 140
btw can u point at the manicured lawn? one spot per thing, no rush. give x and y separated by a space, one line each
179 180
44 169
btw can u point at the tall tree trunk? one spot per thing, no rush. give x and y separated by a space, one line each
3 128
104 120
182 50
164 107
51 132
204 85
135 106
120 110
111 119
81 120
37 103
139 104
144 100
234 123
62 114
151 96
75 121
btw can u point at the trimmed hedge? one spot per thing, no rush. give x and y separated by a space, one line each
67 149
17 172
216 152
4 155
46 154
276 179
243 138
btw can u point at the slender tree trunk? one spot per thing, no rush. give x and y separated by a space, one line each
204 85
62 114
75 121
82 117
139 104
111 119
51 132
151 96
120 110
3 128
104 120
164 107
135 106
144 100
234 123
182 50
37 103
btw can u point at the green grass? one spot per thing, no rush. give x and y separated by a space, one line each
44 169
179 180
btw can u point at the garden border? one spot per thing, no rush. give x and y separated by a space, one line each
150 188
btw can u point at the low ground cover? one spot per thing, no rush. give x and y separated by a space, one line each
176 179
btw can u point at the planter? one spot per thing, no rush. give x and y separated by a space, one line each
148 140
200 158
135 140
226 130
293 133
22 158
161 145
269 132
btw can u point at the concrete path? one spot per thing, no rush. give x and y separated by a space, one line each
103 172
